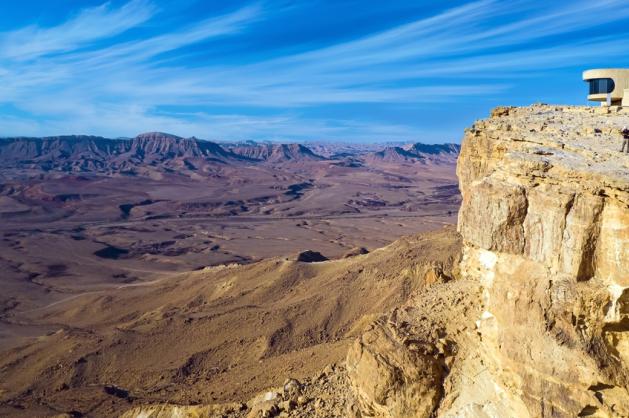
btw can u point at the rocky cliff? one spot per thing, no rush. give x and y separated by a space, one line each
539 325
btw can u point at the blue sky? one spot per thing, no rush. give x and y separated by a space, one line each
294 70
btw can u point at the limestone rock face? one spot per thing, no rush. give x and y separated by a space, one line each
545 222
536 184
545 225
399 367
400 377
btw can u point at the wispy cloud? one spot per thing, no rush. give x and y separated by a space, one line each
82 75
136 52
288 127
87 26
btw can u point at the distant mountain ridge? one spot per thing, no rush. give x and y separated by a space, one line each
418 152
167 152
167 145
142 146
93 153
419 148
276 152
391 154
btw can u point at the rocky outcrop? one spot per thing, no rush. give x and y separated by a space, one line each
276 153
162 146
399 366
545 225
310 256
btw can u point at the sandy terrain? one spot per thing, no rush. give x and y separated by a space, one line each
219 334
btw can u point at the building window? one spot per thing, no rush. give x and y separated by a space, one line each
601 85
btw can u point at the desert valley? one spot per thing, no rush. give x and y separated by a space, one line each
314 209
121 212
86 218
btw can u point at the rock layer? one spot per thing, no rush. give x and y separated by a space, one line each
545 226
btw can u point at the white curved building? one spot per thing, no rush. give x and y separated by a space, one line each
610 86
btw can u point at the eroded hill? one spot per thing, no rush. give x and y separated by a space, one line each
215 335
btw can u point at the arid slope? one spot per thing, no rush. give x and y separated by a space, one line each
219 334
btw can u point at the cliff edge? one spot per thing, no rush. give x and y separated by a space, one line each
541 328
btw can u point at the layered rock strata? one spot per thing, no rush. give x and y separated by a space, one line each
540 324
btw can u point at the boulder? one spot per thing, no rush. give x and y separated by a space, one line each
309 256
